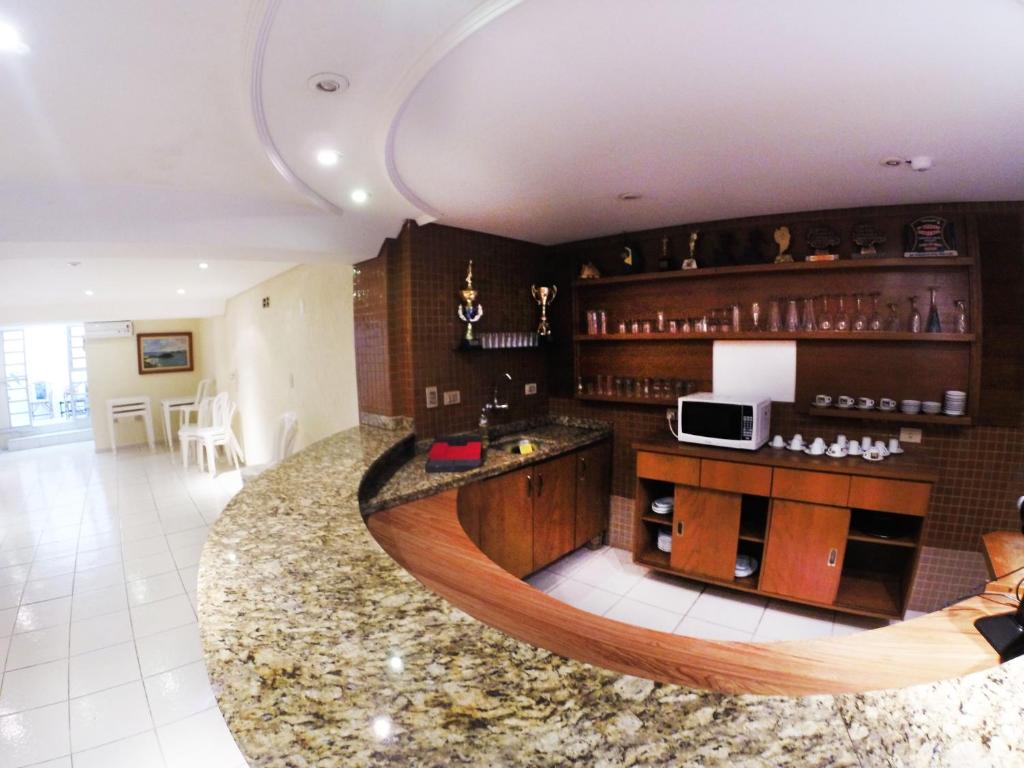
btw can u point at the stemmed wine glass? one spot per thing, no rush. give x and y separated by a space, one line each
934 324
875 321
809 324
755 315
842 319
893 323
860 323
914 322
825 322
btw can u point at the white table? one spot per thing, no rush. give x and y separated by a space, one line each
119 408
169 404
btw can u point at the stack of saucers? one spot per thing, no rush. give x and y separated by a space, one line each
955 402
665 540
745 566
663 506
910 406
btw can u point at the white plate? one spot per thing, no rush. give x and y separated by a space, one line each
791 448
842 455
953 413
868 458
897 451
810 453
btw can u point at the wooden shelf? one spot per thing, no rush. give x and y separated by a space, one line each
750 534
665 520
655 558
873 593
957 262
851 336
874 415
896 541
669 402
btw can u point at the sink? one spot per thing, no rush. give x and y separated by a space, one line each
510 443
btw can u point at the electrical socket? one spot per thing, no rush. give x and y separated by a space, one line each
431 397
530 389
910 435
452 397
670 413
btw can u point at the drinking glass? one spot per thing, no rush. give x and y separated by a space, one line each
735 318
893 323
934 324
960 317
809 323
755 315
646 387
774 316
619 389
656 389
579 385
875 321
825 322
914 321
792 317
842 319
860 323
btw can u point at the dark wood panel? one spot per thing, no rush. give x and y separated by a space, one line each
705 530
506 521
593 491
554 509
804 552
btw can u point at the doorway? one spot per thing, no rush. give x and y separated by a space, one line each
46 386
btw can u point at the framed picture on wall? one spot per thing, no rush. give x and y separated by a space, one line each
165 352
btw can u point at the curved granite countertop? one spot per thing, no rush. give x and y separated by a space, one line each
325 652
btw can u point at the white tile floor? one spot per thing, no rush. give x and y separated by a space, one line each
607 582
99 644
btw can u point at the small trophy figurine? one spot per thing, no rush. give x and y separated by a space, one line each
782 239
470 311
690 262
868 238
544 296
824 241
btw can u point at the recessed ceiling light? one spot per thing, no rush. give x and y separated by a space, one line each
329 83
10 40
360 196
88 292
203 265
629 196
181 291
892 162
328 157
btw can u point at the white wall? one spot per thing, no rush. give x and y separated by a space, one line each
298 354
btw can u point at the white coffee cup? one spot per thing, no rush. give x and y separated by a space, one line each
865 403
817 448
866 442
894 445
855 449
796 443
823 401
874 454
841 439
845 401
778 442
880 447
836 451
887 404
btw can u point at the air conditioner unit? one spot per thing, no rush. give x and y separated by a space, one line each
109 329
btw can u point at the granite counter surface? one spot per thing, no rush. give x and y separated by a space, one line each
324 652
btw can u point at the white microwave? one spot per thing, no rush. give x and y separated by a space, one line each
727 422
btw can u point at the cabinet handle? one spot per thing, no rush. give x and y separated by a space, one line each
529 485
833 556
583 467
679 528
540 485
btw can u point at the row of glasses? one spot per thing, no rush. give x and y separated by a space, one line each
629 387
508 339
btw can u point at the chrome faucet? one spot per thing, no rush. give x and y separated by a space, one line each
494 405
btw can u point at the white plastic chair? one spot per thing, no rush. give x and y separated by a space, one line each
220 435
185 411
284 445
188 435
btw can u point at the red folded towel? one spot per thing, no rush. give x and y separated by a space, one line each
447 452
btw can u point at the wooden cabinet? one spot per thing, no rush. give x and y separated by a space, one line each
593 492
526 519
705 528
554 509
844 539
804 553
506 520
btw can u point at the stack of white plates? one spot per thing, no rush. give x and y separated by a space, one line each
665 540
955 403
745 566
910 406
931 407
663 506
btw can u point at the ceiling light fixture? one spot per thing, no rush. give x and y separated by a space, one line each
328 157
360 196
892 162
10 40
181 291
328 83
88 292
629 196
203 265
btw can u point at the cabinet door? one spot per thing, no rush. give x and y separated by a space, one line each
593 492
705 531
804 553
506 521
554 509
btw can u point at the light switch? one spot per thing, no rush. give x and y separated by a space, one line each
452 397
431 397
910 435
530 389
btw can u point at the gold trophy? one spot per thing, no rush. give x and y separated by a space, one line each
470 311
783 239
544 296
690 262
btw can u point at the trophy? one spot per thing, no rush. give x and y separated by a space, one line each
544 296
782 239
868 238
470 311
690 262
930 236
824 241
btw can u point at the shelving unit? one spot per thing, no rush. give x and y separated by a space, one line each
850 336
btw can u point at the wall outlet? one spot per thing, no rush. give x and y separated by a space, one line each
266 302
910 435
431 397
452 397
530 389
670 413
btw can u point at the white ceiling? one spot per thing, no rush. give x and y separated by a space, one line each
157 132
